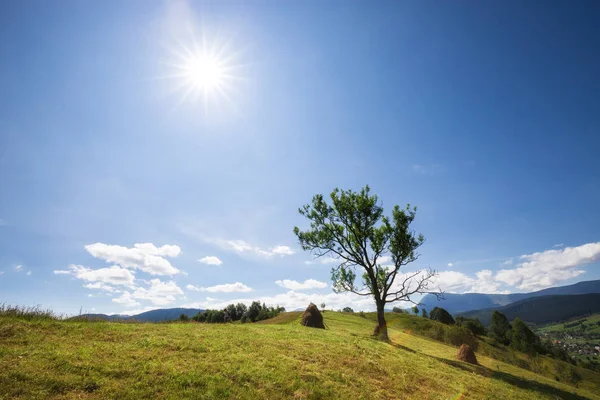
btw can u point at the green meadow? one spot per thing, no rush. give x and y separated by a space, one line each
280 359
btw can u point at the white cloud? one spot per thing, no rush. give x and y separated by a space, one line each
432 169
458 282
282 251
28 273
159 293
295 285
62 272
101 286
18 268
225 288
450 265
114 275
143 256
1 272
127 300
210 260
135 311
544 269
241 247
559 245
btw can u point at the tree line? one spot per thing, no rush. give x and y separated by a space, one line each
236 312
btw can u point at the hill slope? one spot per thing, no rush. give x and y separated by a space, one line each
457 303
279 360
542 310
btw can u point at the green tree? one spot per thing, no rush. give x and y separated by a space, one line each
398 310
347 309
232 314
441 315
240 310
354 230
472 324
523 338
254 310
415 310
184 317
424 313
500 328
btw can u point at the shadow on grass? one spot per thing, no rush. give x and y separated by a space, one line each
512 380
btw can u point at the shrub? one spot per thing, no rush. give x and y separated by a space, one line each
347 309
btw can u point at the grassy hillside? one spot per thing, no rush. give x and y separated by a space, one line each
278 359
578 337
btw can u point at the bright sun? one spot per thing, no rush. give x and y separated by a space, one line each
205 73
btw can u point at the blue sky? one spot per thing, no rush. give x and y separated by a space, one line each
118 173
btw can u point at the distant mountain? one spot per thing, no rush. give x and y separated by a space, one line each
164 314
457 303
543 309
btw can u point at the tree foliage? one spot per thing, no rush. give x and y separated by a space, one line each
347 309
353 229
522 338
472 324
500 329
239 312
441 315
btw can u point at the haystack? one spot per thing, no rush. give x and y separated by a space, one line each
312 317
466 353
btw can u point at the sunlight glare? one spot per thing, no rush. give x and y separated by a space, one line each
205 73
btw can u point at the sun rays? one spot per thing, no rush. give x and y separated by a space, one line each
204 72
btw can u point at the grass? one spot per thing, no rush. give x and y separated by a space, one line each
279 359
591 322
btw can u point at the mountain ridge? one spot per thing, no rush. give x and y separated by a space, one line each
543 309
158 315
456 303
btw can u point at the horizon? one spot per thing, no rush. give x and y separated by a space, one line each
161 163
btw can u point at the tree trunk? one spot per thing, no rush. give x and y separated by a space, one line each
381 328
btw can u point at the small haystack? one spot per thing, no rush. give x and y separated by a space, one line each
466 353
312 317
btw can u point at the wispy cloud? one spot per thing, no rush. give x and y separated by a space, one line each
19 268
431 169
225 288
240 246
